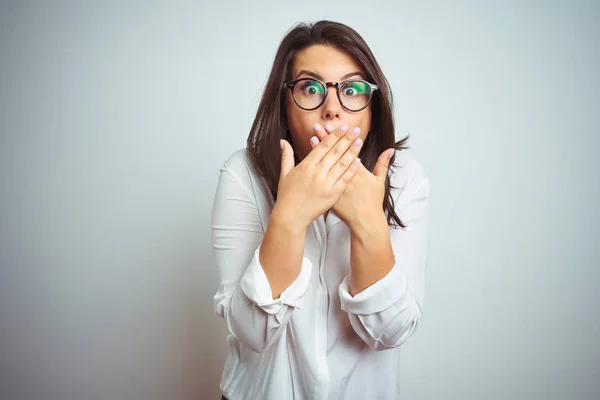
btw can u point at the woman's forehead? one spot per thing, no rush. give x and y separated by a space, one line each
326 61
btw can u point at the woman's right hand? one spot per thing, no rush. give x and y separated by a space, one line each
314 186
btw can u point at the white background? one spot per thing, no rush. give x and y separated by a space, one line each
115 117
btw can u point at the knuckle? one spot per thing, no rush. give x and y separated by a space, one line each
342 164
339 133
325 144
349 138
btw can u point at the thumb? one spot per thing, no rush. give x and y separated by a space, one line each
383 163
287 158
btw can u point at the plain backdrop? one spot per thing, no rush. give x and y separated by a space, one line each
115 117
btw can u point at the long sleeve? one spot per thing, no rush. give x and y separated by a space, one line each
386 314
244 298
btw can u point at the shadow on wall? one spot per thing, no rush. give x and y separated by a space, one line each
205 345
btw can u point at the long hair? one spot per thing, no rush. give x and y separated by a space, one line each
270 123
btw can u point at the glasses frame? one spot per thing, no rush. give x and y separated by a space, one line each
291 85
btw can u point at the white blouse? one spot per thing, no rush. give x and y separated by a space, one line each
315 341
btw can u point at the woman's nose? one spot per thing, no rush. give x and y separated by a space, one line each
332 109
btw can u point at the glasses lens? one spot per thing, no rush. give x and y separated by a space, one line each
355 94
309 93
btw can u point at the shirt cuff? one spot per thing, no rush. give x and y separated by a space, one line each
378 297
256 287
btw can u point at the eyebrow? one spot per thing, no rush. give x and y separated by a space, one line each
319 77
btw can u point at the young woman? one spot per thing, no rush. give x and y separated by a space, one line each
320 230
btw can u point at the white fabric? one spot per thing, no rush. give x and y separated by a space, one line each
316 341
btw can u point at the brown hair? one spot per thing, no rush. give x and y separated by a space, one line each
270 123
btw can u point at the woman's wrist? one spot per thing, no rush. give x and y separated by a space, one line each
369 225
288 222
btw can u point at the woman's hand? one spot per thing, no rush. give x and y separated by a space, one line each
362 200
312 187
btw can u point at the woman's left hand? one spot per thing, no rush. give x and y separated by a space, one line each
362 201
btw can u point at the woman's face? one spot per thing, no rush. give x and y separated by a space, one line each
327 64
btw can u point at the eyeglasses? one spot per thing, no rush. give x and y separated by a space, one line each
309 93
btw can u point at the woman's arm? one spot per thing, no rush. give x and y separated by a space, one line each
244 299
371 252
384 292
281 251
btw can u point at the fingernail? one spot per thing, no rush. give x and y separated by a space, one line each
343 128
314 140
281 143
317 127
357 161
390 153
356 131
328 128
357 142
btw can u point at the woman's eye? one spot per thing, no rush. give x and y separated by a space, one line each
311 88
355 89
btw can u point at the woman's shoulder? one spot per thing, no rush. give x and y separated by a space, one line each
406 168
239 165
409 185
408 179
238 160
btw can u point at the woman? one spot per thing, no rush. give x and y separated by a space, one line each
320 230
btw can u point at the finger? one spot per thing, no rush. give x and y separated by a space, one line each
287 158
314 141
383 163
347 176
315 156
339 148
320 133
345 161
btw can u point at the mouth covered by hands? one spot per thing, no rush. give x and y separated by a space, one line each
362 198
